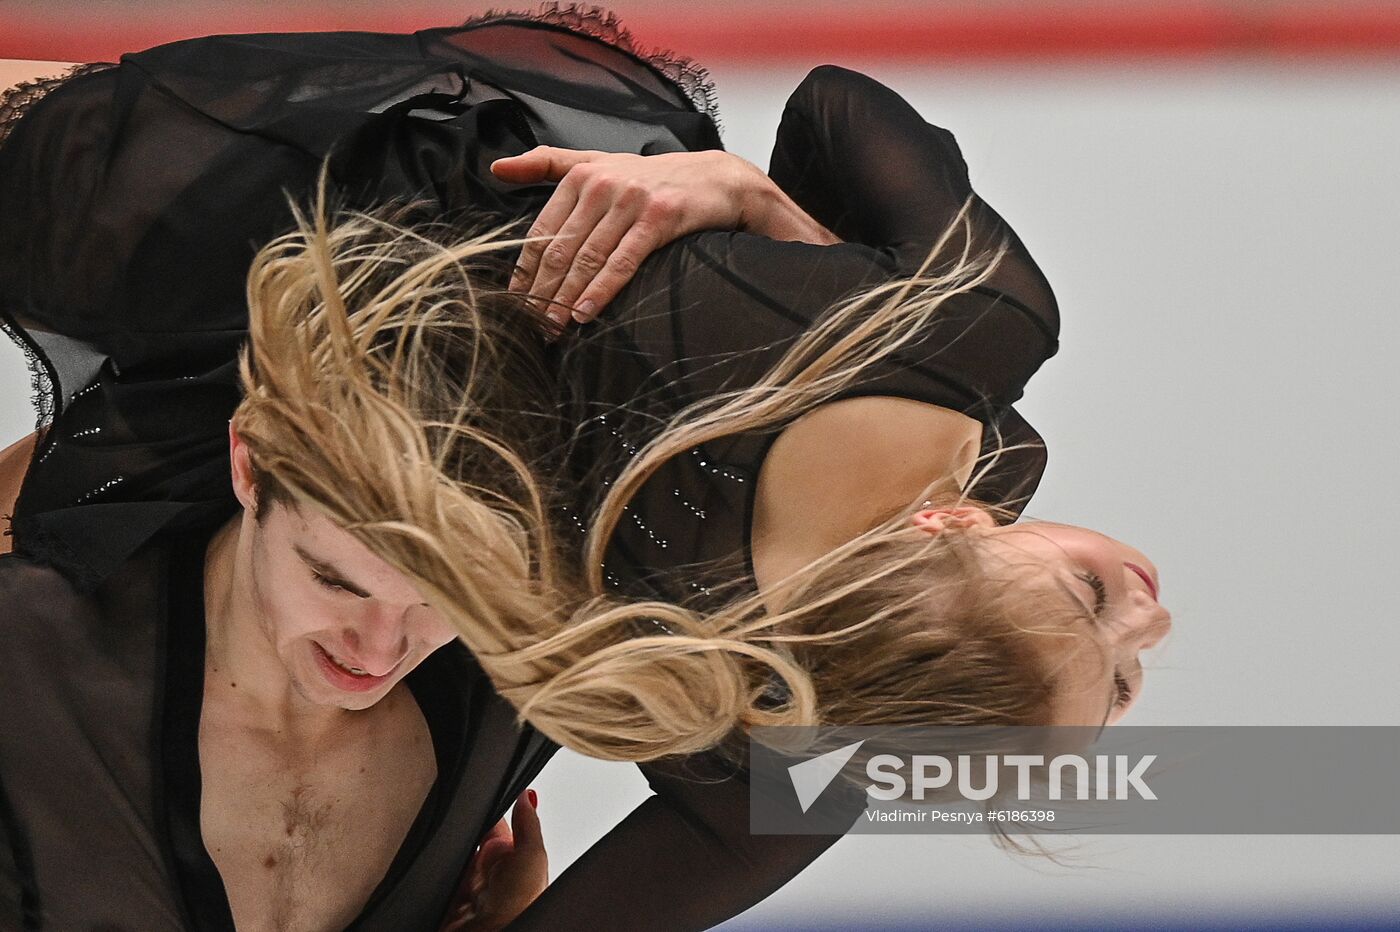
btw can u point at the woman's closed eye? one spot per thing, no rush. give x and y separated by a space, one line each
1096 583
1124 694
326 582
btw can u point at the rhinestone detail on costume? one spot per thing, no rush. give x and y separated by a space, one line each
106 486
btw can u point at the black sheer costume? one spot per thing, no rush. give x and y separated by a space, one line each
715 311
133 198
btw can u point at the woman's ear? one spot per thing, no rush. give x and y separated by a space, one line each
937 520
244 488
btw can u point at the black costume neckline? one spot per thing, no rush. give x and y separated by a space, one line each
179 783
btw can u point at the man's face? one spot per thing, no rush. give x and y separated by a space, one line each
346 625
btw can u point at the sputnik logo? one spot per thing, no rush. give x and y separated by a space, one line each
811 777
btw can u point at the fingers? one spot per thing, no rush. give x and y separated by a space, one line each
540 164
498 843
597 258
615 224
542 236
638 243
514 872
609 212
499 830
579 248
487 857
525 821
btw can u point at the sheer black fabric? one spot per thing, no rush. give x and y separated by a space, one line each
133 200
136 197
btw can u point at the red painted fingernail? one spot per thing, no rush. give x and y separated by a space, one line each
534 799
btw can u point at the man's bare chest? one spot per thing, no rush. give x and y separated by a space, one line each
302 839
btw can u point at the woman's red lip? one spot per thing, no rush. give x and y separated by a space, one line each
1151 586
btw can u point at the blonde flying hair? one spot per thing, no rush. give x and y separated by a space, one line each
389 386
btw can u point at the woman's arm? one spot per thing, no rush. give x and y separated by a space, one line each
683 860
14 461
713 313
857 157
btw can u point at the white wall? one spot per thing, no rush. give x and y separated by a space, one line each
1222 240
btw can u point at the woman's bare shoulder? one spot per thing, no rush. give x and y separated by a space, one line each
15 71
848 465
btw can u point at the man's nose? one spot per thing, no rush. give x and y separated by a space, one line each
380 641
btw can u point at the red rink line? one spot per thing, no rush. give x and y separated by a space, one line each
772 34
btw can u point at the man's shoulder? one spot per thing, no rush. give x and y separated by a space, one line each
29 585
45 610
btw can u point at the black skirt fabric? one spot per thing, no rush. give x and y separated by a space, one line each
135 196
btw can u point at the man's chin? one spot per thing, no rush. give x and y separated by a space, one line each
318 689
328 697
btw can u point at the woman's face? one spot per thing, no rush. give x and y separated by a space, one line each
346 625
1115 583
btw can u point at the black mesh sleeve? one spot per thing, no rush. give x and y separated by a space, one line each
691 861
860 159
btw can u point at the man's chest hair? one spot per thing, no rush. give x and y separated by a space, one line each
298 833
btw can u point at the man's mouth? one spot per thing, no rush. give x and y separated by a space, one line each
345 675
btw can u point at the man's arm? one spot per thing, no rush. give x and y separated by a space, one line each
17 71
610 210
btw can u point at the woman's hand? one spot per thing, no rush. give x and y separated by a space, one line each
612 210
509 870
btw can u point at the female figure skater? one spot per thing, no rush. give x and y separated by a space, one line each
500 648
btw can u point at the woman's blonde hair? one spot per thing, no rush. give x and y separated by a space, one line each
391 386
388 387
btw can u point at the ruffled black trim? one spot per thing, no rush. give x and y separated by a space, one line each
602 24
16 101
41 377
